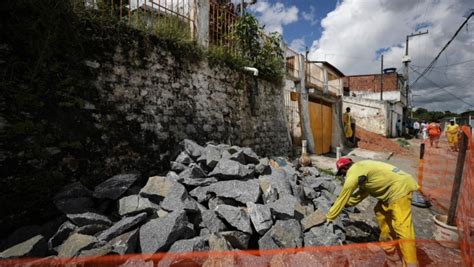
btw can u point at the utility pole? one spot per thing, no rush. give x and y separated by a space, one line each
381 79
406 60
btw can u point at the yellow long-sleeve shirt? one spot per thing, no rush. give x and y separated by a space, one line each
383 181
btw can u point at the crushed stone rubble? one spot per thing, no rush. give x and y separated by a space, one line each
215 197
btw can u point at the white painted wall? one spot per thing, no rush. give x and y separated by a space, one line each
368 114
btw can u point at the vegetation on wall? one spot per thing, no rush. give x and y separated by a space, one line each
253 48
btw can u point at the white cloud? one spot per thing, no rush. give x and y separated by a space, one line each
310 16
298 45
355 30
274 16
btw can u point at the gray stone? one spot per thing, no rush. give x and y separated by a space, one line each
137 262
309 193
321 203
125 243
211 156
192 148
227 169
284 234
159 234
304 259
114 187
74 205
33 247
313 182
157 188
316 218
198 181
171 175
188 245
261 217
236 239
241 191
74 244
267 242
218 243
238 156
250 156
122 226
287 207
64 231
89 218
96 252
211 222
193 171
177 167
91 229
321 236
20 235
277 181
249 260
73 190
179 199
309 171
184 159
263 166
74 198
135 204
162 213
236 217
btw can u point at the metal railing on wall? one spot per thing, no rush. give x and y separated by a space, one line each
175 18
222 19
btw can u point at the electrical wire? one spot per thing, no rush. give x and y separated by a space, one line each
442 88
442 50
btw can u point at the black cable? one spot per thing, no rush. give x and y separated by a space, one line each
442 88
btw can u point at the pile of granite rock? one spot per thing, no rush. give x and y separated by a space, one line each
215 197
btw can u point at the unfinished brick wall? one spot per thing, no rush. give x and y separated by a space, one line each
371 83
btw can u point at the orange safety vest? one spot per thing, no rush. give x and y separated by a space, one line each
433 129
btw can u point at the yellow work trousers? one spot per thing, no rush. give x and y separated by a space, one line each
395 223
452 139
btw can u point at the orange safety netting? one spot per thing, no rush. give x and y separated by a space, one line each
430 253
436 174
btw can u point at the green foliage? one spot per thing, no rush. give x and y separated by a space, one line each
257 50
403 142
220 56
425 115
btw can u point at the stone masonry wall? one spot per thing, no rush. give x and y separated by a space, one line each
172 101
116 101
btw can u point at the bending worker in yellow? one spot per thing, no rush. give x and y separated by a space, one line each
452 131
393 188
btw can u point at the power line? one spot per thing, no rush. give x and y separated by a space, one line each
442 50
449 65
442 88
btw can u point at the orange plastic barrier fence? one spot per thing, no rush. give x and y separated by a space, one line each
430 253
436 173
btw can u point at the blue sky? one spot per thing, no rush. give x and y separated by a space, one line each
308 27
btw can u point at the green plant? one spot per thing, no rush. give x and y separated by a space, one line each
403 142
258 50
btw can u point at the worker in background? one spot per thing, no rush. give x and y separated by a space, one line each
424 130
347 120
394 189
434 131
416 128
398 127
452 131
